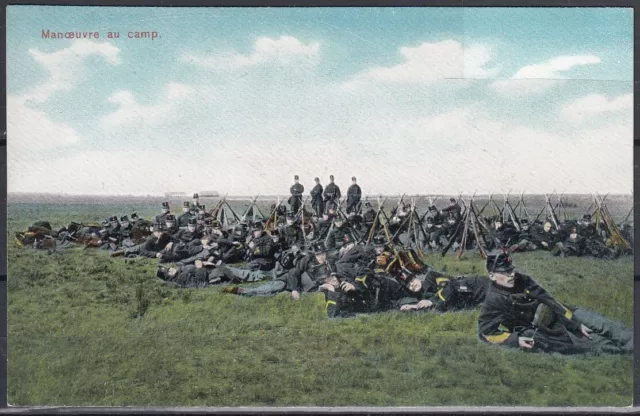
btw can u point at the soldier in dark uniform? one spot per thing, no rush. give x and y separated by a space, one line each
519 313
505 233
454 208
310 271
261 250
295 200
292 232
434 214
183 219
573 245
171 227
586 227
165 211
445 293
331 195
368 292
126 229
354 194
189 234
316 198
195 206
369 215
525 242
542 236
152 247
335 237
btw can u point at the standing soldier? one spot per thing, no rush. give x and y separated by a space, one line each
316 198
331 194
295 200
183 220
453 208
354 194
196 203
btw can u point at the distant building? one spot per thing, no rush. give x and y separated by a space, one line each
175 194
208 194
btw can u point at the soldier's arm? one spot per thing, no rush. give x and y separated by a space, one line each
148 248
566 315
491 329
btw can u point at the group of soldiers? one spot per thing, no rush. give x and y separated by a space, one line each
364 261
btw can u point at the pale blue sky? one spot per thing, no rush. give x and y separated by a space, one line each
262 94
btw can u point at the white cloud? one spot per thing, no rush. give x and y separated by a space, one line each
130 112
554 67
538 78
286 50
65 66
429 63
31 130
586 108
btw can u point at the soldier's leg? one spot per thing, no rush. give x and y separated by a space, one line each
237 275
268 289
607 331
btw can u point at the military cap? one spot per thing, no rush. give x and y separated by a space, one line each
186 204
162 272
291 215
331 177
379 240
165 205
586 217
257 226
296 177
202 208
134 216
367 204
195 196
452 200
499 261
105 223
113 219
319 247
524 221
316 179
353 178
124 218
432 208
192 221
430 220
275 233
215 223
170 217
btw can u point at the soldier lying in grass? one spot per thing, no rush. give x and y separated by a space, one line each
520 313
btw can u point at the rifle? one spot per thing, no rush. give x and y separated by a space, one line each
214 211
253 202
273 217
388 235
375 222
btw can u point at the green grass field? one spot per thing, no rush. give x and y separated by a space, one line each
74 339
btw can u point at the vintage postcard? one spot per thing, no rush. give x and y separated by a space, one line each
278 207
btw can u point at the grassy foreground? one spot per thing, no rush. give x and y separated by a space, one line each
74 339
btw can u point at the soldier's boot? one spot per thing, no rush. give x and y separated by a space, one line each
117 253
234 290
